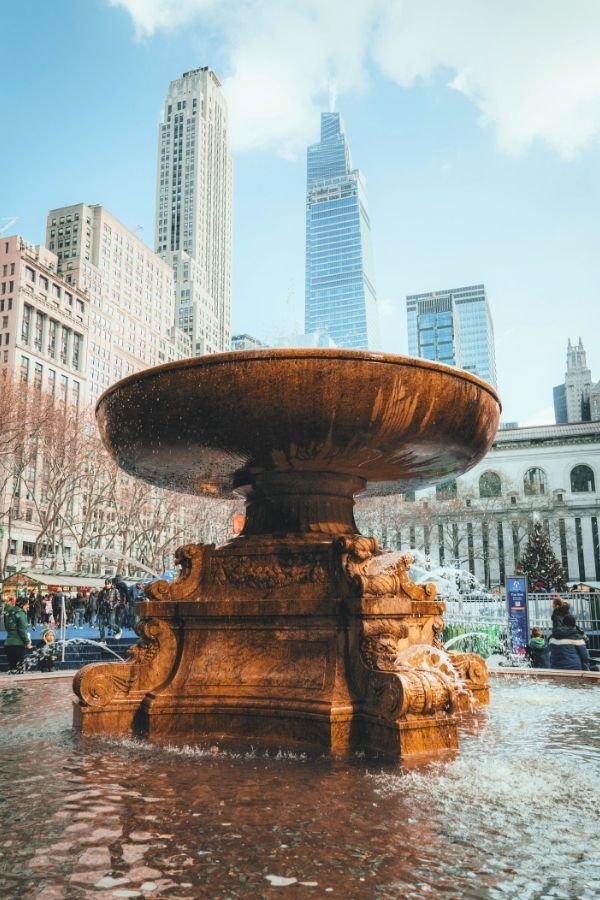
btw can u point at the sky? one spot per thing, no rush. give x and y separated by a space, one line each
476 126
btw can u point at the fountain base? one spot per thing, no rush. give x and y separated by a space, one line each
320 644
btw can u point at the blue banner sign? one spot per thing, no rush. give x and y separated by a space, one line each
518 626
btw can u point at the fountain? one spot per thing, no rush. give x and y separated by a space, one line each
299 633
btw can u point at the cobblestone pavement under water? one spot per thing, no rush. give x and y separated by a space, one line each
514 814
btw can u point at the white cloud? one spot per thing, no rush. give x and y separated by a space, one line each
387 308
532 69
544 416
153 15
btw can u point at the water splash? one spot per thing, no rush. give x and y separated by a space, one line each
32 660
462 637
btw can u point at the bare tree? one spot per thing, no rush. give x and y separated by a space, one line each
24 413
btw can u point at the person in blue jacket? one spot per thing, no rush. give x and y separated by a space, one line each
568 648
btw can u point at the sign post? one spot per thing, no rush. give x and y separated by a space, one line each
518 626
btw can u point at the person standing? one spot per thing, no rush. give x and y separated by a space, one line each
108 603
123 607
35 616
567 647
91 608
48 614
6 610
58 607
78 610
17 636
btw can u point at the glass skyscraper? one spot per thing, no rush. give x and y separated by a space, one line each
454 327
340 291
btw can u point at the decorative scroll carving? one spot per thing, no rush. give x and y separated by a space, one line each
437 627
372 572
428 680
472 669
150 663
385 695
192 560
269 571
411 691
379 643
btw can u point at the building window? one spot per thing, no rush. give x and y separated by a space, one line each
24 369
596 546
580 554
28 548
26 325
64 340
77 340
37 337
51 382
446 490
582 480
470 548
535 482
490 485
53 326
501 561
37 376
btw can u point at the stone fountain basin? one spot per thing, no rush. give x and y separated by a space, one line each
209 424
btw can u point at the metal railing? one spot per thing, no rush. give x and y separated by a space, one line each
486 621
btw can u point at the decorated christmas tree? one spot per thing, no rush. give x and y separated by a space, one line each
539 564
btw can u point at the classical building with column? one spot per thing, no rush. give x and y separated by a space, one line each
481 520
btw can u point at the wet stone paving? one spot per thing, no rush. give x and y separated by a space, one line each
514 814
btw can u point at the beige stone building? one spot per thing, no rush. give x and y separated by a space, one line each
130 291
44 321
194 194
43 340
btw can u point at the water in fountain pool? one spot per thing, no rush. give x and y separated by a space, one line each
514 814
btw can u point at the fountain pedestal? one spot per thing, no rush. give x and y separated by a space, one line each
300 633
323 647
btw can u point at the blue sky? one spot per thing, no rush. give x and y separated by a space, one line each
475 125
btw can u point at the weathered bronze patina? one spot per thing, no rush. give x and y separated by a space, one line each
299 632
